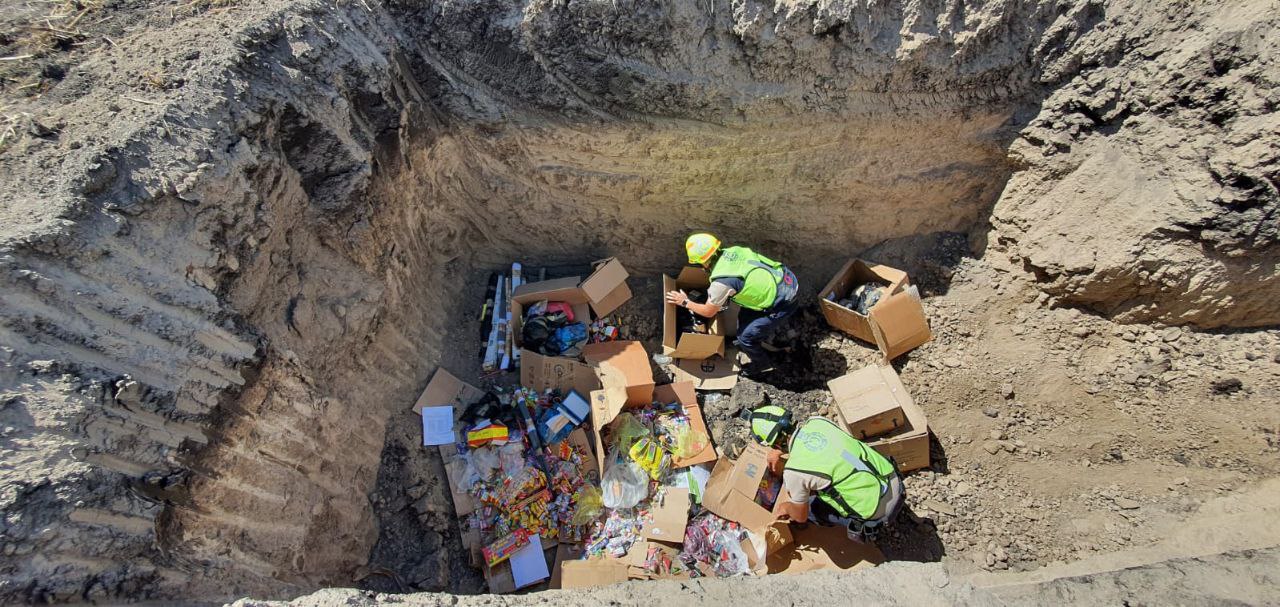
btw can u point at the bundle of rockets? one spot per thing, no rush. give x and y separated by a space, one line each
499 350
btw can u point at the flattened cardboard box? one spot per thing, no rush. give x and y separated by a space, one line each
446 389
604 291
694 345
896 323
869 401
822 548
669 518
908 445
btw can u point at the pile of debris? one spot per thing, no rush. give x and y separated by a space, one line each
589 473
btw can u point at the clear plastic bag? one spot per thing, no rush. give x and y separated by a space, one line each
629 431
687 442
511 456
588 504
624 485
486 461
730 559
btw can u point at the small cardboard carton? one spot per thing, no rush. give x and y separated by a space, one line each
908 444
896 324
714 373
541 373
694 345
869 401
602 292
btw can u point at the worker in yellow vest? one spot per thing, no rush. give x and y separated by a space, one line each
831 477
765 289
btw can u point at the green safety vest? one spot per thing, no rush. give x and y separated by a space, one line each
859 476
760 276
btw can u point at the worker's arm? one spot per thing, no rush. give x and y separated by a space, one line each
705 310
799 487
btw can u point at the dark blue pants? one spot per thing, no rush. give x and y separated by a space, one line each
756 326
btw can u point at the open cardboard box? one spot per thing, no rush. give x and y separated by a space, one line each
872 390
731 494
714 373
694 345
896 324
602 292
622 365
606 404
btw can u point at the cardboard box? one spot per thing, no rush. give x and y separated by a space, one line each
694 345
869 401
731 489
540 373
908 445
565 552
896 324
446 389
714 373
625 365
602 292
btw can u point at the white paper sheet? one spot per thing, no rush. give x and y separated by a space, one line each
528 564
437 425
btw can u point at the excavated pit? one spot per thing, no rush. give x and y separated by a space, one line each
211 364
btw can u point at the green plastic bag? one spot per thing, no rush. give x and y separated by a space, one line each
588 505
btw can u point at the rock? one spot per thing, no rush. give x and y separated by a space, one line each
1228 385
1171 334
991 447
1081 332
952 363
939 507
1125 503
1006 390
997 435
991 412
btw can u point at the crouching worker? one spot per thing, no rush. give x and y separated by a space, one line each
831 478
764 288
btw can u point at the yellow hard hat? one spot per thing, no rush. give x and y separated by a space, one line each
700 247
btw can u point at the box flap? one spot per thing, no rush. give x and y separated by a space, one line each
606 404
693 277
713 373
578 438
698 346
540 373
565 289
899 325
446 389
668 317
669 518
607 288
683 393
623 364
594 572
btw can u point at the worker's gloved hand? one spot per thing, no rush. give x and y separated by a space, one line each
677 297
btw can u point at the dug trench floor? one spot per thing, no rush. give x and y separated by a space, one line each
1058 435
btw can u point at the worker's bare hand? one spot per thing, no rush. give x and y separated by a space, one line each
677 297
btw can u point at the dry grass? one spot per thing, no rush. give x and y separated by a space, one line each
12 126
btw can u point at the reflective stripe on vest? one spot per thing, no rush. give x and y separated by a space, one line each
859 475
760 276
